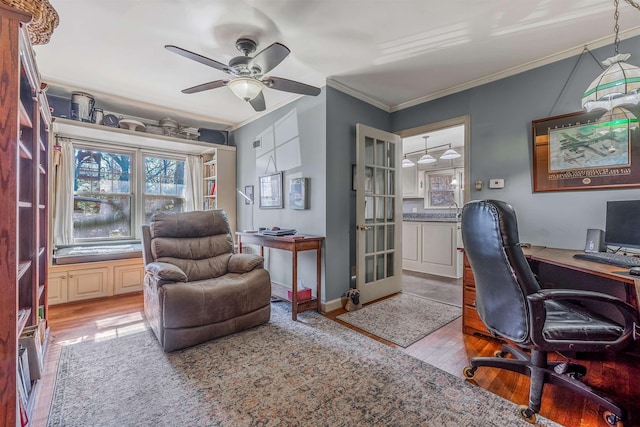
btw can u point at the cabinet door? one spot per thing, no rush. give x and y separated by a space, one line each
57 288
88 283
438 244
410 181
410 241
127 278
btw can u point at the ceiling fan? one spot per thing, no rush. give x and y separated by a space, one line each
248 72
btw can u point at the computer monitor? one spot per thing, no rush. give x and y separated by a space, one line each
623 224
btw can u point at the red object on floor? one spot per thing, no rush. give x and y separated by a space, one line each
303 294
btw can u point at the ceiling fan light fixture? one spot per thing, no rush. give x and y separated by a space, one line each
245 88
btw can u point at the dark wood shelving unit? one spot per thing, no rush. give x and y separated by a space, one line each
24 162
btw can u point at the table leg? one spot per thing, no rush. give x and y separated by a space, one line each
318 279
294 285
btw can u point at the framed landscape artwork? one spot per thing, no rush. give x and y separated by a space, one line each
584 151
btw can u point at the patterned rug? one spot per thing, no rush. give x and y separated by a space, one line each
402 319
313 372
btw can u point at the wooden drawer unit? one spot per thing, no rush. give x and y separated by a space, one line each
471 322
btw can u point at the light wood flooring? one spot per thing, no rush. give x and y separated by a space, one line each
447 348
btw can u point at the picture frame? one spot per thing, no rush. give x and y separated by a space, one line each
299 193
586 151
270 191
248 190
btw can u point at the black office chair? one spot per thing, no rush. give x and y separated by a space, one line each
512 305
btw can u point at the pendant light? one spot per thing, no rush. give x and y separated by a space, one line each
450 154
406 163
619 84
426 158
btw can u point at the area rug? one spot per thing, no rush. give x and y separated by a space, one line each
402 319
313 372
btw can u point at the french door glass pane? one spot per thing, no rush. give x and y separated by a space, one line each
380 208
369 240
380 267
380 176
380 153
391 155
390 237
380 238
368 209
390 272
391 182
368 269
368 151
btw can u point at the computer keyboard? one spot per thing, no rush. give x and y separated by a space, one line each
609 258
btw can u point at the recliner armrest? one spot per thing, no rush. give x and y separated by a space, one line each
537 314
243 263
163 272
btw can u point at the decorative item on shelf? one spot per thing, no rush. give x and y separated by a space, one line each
155 130
132 125
111 120
82 106
97 116
169 126
189 133
44 18
619 84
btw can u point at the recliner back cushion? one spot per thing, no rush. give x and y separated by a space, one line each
197 242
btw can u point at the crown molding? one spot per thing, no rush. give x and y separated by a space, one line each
358 95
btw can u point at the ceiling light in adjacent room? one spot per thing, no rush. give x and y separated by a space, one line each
450 154
406 163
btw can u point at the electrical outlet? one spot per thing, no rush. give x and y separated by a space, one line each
496 183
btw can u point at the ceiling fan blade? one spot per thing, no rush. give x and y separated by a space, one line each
286 85
199 58
258 102
270 57
205 86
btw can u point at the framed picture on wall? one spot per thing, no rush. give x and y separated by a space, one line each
586 151
248 190
299 193
270 188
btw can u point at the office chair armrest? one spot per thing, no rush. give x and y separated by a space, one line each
537 315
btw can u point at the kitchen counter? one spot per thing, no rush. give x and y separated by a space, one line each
430 217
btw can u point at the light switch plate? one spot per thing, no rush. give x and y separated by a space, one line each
496 183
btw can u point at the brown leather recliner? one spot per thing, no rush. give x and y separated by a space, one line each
195 287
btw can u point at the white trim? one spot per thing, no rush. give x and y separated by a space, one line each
358 95
329 306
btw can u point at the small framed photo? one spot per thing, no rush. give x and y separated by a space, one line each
270 188
248 190
299 193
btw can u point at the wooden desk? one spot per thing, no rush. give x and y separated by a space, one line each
293 244
556 268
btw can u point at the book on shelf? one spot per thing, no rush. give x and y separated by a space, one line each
30 339
24 379
22 406
213 189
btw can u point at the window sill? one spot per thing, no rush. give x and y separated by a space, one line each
96 252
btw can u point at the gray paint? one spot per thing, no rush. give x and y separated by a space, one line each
501 114
343 113
310 112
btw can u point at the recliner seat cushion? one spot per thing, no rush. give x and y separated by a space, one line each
210 301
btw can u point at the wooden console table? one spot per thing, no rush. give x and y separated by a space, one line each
293 244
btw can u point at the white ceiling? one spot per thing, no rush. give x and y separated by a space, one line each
393 53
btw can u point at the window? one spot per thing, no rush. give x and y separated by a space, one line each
102 195
164 186
443 188
106 185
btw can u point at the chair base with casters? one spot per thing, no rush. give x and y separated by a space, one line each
541 371
536 321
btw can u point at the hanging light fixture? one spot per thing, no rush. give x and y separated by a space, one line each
450 154
406 163
426 158
619 84
245 88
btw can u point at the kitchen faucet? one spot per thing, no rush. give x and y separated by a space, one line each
455 205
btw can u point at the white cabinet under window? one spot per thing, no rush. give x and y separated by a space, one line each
431 247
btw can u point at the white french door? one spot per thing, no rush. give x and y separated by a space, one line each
378 213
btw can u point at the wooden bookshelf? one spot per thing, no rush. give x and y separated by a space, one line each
23 206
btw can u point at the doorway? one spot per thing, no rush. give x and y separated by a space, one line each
435 182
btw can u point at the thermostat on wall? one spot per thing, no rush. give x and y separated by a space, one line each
496 183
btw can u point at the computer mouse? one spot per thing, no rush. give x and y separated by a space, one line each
634 271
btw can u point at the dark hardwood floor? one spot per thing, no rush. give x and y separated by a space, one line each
447 348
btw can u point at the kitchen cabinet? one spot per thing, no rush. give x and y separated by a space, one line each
432 247
412 182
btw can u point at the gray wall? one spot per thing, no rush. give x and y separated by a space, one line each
343 112
311 119
501 114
